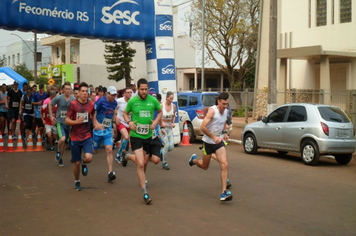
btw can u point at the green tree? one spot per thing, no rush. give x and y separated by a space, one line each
22 70
3 61
118 56
231 32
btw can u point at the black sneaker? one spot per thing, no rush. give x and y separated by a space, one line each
60 162
146 198
84 170
124 158
77 186
111 176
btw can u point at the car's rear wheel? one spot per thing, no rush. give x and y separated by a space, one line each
191 133
310 152
343 159
250 144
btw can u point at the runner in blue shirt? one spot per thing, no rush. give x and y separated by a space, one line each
102 121
38 99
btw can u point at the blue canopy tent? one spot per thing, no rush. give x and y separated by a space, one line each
8 76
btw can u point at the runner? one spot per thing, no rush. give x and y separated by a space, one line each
15 96
168 118
62 101
141 127
22 121
121 124
27 110
3 108
102 120
77 116
38 99
50 129
214 128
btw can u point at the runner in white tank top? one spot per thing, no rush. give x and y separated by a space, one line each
214 129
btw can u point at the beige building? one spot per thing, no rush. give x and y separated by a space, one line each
316 52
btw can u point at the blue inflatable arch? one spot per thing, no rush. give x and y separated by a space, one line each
150 21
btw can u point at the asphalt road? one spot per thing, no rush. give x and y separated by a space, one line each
272 196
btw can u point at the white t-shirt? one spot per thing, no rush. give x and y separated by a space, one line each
134 93
121 106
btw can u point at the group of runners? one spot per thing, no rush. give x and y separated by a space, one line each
140 119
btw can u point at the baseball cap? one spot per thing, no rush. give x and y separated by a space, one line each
15 82
112 90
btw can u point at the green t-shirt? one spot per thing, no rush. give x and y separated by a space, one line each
142 112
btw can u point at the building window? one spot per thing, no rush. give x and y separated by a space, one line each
58 52
13 60
321 12
345 11
9 61
18 58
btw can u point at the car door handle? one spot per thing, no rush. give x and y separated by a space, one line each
301 127
279 127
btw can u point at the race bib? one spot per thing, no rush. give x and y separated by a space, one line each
142 129
107 122
15 104
28 106
85 115
63 114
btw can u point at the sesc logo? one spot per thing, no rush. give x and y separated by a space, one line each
168 70
149 49
118 16
167 26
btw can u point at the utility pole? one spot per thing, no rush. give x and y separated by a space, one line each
35 58
272 58
203 46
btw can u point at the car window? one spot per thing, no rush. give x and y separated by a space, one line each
277 115
333 114
297 114
193 101
209 100
182 101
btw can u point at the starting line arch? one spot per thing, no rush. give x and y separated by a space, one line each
150 21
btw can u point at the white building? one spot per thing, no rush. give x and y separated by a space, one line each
22 51
316 48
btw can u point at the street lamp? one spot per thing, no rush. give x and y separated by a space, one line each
34 53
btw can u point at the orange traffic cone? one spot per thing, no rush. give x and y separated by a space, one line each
10 144
19 147
185 139
2 148
39 147
30 143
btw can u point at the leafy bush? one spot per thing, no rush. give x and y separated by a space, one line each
241 112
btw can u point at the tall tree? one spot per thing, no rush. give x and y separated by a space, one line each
21 69
231 31
3 61
118 56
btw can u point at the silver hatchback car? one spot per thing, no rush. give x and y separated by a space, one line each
311 129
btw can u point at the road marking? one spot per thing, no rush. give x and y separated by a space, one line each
21 188
235 141
28 194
